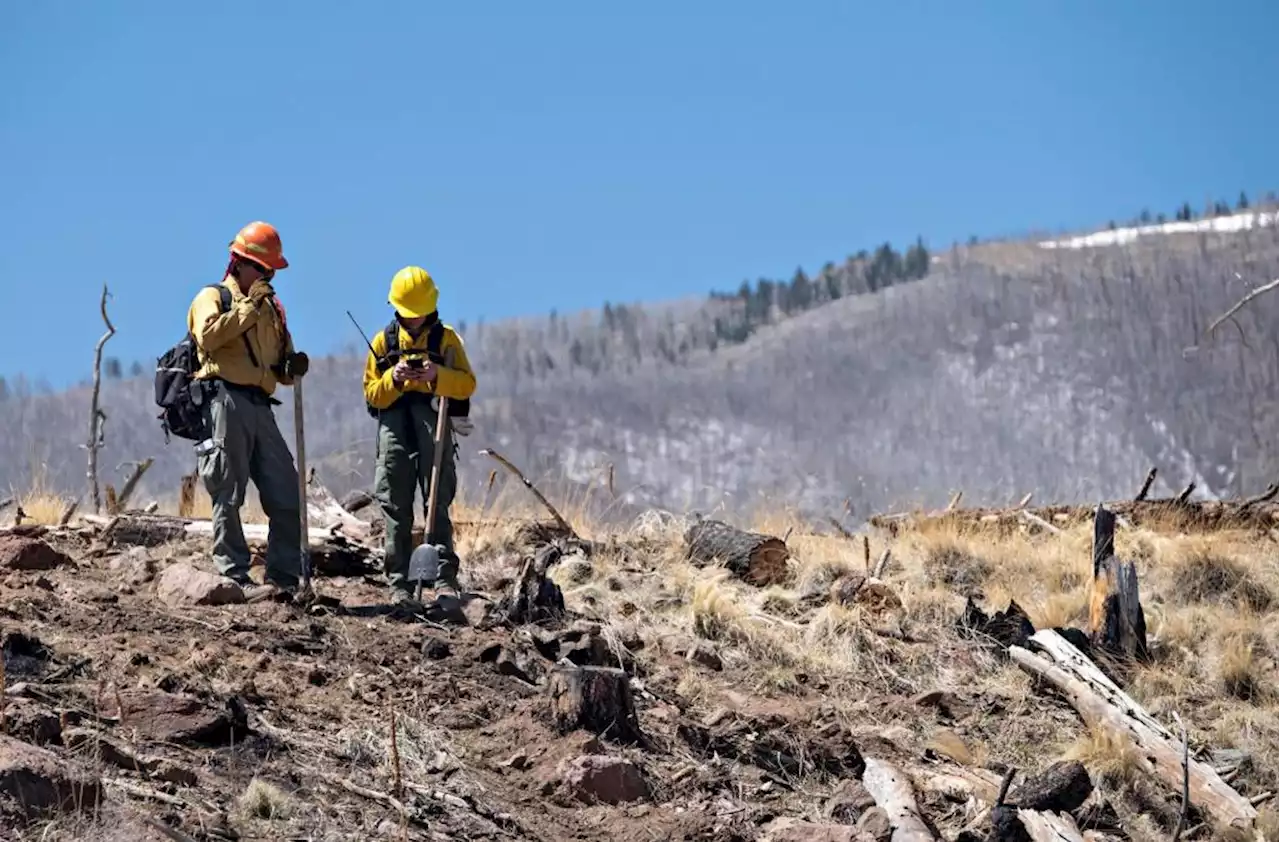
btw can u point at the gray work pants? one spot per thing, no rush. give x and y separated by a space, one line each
406 448
247 445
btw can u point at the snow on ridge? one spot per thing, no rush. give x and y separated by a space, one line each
1120 236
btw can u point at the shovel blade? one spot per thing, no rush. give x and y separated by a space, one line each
424 564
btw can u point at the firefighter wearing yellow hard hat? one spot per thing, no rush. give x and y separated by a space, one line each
414 360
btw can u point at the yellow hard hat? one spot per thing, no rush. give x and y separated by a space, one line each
413 293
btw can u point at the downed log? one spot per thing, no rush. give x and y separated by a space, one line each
893 793
324 510
1260 513
1044 826
757 559
597 699
332 555
1117 624
1104 706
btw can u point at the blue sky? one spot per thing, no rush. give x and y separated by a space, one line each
558 155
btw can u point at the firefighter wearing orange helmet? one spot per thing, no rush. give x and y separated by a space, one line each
245 351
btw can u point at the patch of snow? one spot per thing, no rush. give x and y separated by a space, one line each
1120 236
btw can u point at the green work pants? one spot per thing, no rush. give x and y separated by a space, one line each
247 445
406 448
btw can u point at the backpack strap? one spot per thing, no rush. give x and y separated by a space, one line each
224 303
435 338
390 346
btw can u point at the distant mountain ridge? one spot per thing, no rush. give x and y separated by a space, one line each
999 368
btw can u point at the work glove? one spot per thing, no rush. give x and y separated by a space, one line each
297 364
292 366
260 292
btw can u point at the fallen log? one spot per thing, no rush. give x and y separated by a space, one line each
1146 486
755 558
1117 624
597 699
891 789
1104 706
324 510
1043 826
1260 513
331 554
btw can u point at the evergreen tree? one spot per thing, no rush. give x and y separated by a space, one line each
135 370
800 294
113 368
1160 219
1145 217
1243 202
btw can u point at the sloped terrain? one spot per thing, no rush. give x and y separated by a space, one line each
136 712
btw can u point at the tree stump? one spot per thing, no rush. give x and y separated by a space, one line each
597 699
535 598
755 558
1117 625
1061 787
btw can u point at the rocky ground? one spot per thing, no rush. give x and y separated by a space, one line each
143 700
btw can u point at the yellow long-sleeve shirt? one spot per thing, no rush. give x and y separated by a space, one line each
221 338
456 382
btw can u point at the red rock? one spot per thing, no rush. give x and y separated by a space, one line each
597 778
182 584
171 717
20 553
39 782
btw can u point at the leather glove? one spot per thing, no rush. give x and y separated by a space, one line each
297 364
260 292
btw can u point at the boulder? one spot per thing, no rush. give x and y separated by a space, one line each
134 567
40 783
875 824
848 802
182 584
597 778
175 718
21 553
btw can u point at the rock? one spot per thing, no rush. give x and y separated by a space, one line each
182 584
20 553
597 778
849 801
875 824
170 717
435 649
947 704
172 771
30 721
844 591
478 610
702 653
134 568
23 654
445 609
100 595
877 596
797 830
39 782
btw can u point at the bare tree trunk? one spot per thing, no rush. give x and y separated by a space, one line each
96 415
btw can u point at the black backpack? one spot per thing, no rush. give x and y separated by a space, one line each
179 395
458 408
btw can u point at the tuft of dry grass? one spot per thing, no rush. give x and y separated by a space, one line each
264 800
1206 574
1109 756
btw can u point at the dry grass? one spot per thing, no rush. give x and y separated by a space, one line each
264 800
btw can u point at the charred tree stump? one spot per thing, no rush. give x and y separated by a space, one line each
1117 625
1060 787
534 597
755 558
597 699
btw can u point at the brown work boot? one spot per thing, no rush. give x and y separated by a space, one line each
260 593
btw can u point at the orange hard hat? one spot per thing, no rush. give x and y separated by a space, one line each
260 243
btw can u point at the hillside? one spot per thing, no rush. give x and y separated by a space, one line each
140 702
1008 368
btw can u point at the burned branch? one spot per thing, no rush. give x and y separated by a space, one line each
96 416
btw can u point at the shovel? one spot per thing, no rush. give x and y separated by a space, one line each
429 561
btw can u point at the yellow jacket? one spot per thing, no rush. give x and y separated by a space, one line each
455 383
221 339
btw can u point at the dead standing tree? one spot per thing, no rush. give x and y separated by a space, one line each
96 416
